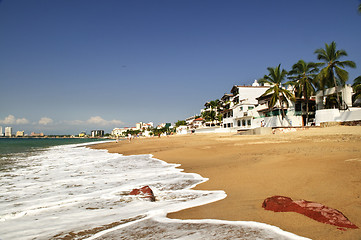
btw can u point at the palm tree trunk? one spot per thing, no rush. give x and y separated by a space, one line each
307 119
337 97
306 97
282 110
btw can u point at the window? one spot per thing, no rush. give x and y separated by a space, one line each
229 125
243 122
250 107
249 122
239 123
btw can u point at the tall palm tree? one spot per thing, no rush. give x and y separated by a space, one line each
212 114
302 78
275 78
333 73
356 86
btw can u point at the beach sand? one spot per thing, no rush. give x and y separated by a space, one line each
321 165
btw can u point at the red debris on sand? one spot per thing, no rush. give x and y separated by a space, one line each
145 191
312 210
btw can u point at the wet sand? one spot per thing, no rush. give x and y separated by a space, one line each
321 165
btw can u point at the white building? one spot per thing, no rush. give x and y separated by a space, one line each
8 131
346 113
272 117
143 126
240 105
1 131
120 131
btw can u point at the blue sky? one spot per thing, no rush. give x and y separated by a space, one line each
72 65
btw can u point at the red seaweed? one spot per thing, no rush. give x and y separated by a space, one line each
316 211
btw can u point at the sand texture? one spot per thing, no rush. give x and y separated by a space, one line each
321 165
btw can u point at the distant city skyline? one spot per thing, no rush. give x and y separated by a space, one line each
71 66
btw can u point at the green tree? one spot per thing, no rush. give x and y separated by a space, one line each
211 110
209 116
180 123
356 86
333 73
275 78
302 78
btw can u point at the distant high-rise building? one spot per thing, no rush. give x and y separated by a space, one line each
1 131
97 133
8 131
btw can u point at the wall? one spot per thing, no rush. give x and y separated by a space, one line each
276 121
215 130
335 115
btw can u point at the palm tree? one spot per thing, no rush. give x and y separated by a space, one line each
302 78
211 115
333 73
275 78
356 86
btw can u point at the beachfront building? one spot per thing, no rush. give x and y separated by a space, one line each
82 134
1 131
240 107
33 134
8 131
19 134
227 104
272 116
182 130
143 126
97 133
326 112
117 132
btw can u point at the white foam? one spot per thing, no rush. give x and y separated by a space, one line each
74 188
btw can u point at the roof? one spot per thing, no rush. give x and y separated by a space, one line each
199 119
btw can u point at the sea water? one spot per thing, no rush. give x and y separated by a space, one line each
74 192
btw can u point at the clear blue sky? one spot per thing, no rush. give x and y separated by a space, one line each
73 65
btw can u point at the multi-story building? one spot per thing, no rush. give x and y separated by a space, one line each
1 131
239 106
33 134
97 133
288 114
143 126
8 131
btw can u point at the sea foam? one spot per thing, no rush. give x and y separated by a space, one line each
76 191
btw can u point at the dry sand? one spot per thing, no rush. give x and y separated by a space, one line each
321 165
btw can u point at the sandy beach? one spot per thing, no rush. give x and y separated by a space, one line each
320 165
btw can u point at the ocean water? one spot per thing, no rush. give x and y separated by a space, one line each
53 191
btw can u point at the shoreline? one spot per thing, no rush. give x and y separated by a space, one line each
320 165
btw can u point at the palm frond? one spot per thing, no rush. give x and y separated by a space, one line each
341 74
357 81
321 54
340 53
350 64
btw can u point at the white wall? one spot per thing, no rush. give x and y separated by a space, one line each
251 93
277 121
335 115
215 130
